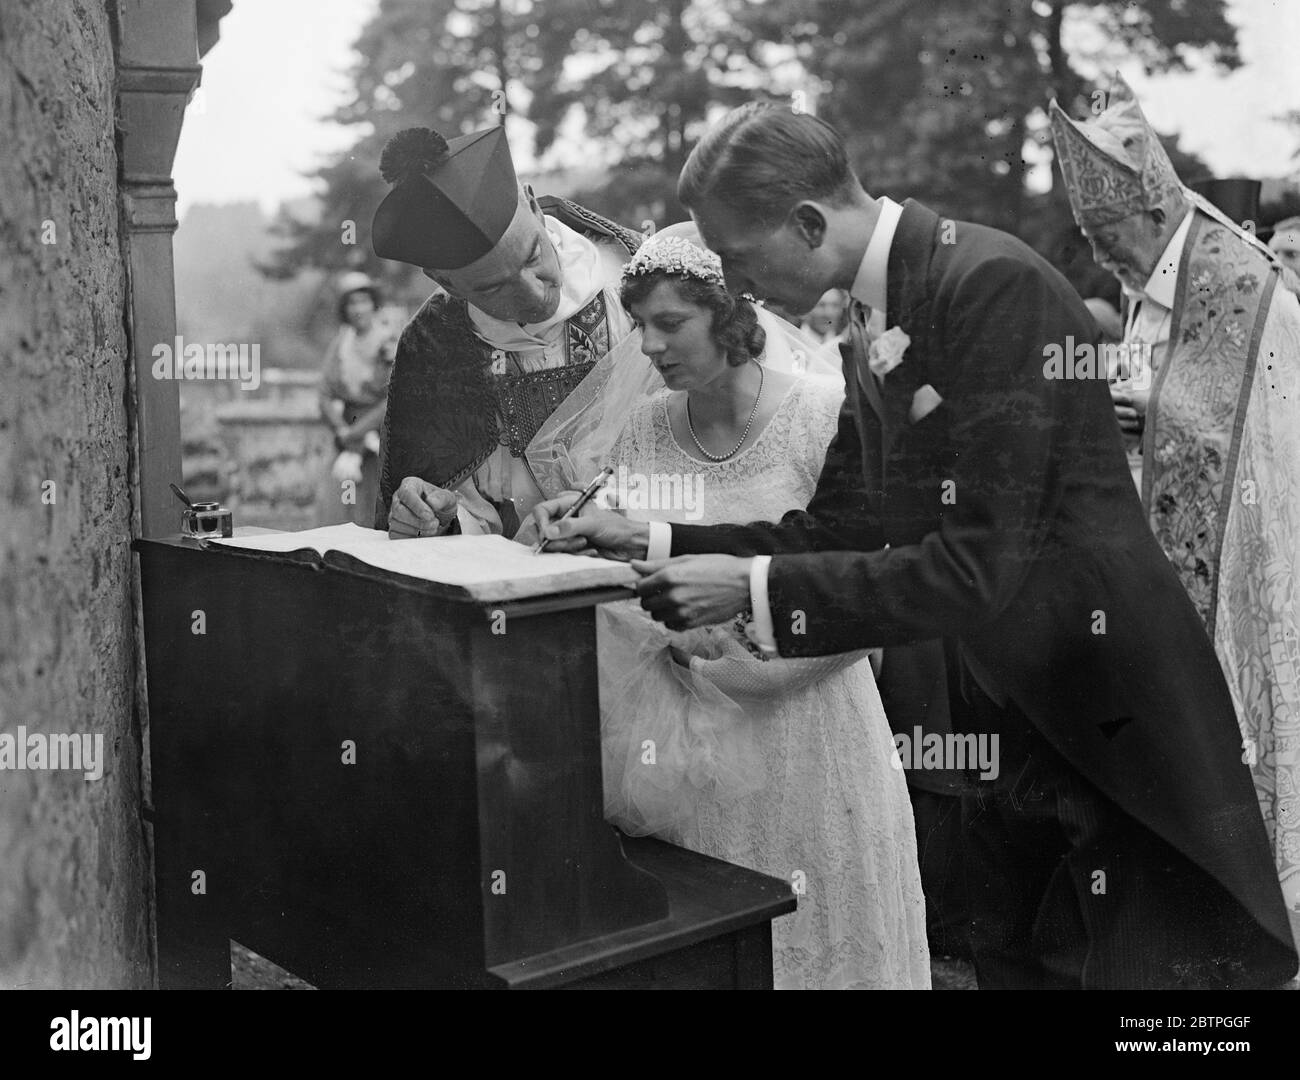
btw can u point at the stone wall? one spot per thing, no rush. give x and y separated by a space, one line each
265 454
74 900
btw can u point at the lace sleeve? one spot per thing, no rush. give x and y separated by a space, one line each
820 408
625 453
635 448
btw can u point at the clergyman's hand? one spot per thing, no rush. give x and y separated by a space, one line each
1130 408
694 590
420 509
594 531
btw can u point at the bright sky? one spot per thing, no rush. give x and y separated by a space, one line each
258 121
258 124
1228 119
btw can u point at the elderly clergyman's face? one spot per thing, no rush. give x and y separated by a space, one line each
1128 248
518 280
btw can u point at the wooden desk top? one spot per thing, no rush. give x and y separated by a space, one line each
344 563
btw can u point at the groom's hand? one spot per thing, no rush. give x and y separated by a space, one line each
694 590
594 531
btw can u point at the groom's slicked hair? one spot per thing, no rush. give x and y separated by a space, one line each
762 159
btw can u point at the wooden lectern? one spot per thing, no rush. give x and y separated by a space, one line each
374 782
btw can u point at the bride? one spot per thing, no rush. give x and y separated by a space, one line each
779 765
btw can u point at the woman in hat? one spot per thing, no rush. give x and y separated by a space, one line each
354 396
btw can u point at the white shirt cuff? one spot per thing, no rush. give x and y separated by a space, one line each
761 632
660 543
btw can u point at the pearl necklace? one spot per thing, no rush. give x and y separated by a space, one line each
743 436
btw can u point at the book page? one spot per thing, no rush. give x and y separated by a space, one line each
489 568
328 538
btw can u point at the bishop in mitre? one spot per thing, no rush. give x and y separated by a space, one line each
1220 426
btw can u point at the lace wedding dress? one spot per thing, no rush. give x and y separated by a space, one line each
784 766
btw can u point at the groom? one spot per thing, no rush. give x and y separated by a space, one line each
969 496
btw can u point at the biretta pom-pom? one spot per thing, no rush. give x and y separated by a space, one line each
415 150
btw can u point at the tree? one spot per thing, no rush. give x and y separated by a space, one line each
645 77
938 99
420 63
642 77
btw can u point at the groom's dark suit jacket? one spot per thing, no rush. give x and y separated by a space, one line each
1006 518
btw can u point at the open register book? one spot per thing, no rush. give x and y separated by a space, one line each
487 569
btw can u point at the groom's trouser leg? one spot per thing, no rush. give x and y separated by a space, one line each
1013 847
1064 885
943 875
1068 890
920 690
1154 919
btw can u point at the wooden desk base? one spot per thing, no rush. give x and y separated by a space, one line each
361 780
717 936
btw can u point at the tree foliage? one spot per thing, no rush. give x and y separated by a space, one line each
937 99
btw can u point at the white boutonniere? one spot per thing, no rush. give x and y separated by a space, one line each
886 352
499 359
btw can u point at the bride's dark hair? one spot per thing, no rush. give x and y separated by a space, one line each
735 326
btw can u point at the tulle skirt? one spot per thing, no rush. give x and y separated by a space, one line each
782 766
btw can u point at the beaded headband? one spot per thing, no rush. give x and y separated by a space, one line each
675 255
